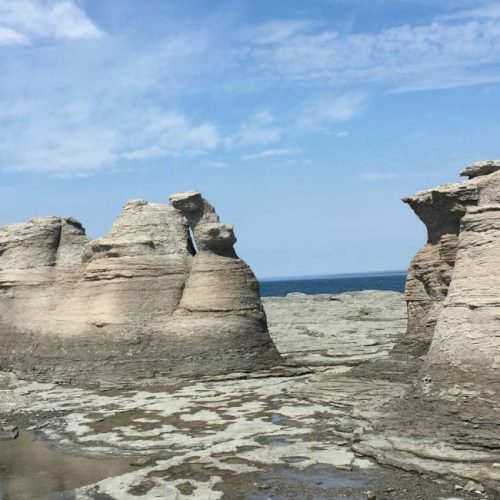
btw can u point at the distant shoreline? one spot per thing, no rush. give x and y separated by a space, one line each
333 276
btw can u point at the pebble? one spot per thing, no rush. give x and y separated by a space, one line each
8 435
143 461
471 486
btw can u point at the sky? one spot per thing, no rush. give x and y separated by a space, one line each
303 121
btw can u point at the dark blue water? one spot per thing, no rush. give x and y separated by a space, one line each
334 284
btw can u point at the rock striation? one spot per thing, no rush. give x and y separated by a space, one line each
163 293
466 343
447 420
441 209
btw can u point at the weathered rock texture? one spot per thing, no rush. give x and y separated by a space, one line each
441 209
138 303
466 341
448 420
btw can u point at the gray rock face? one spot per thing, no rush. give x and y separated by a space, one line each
466 341
430 273
481 168
138 303
451 410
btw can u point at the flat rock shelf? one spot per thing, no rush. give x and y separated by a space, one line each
281 433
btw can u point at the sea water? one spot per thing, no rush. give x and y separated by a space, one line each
279 287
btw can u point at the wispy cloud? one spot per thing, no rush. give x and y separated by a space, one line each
259 130
466 44
158 133
276 31
99 108
9 36
24 20
487 11
112 102
269 153
72 141
331 109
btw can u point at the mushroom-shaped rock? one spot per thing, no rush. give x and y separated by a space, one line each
140 302
430 273
447 420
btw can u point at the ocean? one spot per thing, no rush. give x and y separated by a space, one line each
280 287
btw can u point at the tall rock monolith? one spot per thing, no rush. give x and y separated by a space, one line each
441 209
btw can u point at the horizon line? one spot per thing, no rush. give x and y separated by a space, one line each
329 276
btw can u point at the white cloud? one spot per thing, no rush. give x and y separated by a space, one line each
51 146
77 110
77 140
258 130
486 11
9 36
120 103
156 133
326 110
269 153
31 19
276 31
396 56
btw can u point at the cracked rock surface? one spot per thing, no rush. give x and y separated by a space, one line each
257 436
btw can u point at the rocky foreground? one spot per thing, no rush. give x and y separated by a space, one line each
298 433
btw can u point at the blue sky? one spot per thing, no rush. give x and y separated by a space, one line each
303 121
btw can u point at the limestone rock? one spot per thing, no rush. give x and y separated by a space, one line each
481 168
138 303
430 273
454 401
466 342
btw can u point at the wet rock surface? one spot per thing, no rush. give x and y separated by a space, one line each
268 435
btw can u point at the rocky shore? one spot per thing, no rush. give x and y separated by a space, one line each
264 435
148 366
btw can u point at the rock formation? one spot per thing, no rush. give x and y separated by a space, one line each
441 209
446 422
142 302
466 343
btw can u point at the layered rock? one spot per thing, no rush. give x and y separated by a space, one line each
441 209
447 421
138 303
466 342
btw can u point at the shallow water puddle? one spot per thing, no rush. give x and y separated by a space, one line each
31 470
318 482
